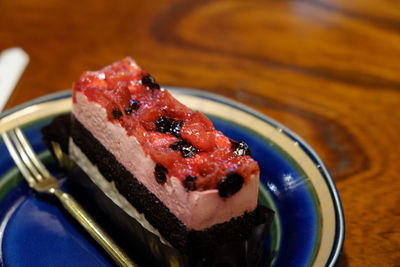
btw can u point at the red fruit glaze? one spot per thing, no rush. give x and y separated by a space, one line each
200 131
113 87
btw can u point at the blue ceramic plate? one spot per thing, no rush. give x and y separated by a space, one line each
308 229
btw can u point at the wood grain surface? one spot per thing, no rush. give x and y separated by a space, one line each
329 70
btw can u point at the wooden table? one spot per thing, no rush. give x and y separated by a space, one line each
329 70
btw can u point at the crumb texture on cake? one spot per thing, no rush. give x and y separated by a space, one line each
109 188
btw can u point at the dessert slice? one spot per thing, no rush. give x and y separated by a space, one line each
162 163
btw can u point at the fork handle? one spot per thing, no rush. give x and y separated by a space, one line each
77 211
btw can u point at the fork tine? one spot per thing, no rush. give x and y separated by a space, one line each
24 156
31 154
18 161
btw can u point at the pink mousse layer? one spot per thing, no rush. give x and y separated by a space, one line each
196 209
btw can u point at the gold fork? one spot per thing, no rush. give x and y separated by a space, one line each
40 179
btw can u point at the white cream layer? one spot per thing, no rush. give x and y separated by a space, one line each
109 188
196 209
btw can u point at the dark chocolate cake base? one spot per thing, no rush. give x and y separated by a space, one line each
231 243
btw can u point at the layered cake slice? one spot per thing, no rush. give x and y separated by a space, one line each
162 163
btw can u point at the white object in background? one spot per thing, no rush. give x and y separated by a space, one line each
12 64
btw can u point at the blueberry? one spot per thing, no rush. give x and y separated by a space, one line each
187 150
190 183
133 106
240 148
168 125
117 114
149 81
230 184
160 173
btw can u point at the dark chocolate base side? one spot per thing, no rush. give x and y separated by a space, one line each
184 239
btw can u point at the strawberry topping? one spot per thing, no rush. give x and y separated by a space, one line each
183 143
